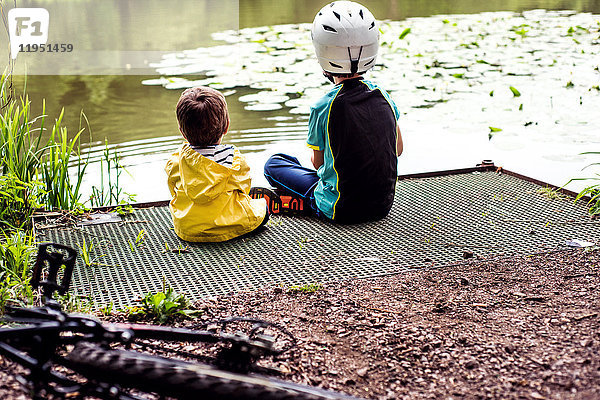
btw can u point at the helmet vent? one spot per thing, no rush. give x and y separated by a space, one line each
372 25
335 65
361 14
367 63
329 29
338 16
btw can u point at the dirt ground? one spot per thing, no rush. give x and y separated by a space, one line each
518 328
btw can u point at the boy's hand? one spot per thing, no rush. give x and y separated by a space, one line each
317 158
399 144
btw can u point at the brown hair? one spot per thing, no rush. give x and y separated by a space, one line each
202 115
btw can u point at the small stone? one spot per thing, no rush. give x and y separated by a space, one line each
363 372
285 369
468 254
509 348
471 364
330 328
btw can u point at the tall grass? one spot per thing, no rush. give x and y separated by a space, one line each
110 191
593 190
20 140
40 166
60 152
25 154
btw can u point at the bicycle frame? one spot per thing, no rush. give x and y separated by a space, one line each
47 330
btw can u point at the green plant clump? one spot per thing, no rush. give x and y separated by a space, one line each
550 193
163 306
18 201
593 190
16 255
307 288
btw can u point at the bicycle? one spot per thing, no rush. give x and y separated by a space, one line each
72 355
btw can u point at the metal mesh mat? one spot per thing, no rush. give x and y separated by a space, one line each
433 223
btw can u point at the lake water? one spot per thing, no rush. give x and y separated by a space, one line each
451 77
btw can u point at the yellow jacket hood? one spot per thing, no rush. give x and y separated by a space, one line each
210 201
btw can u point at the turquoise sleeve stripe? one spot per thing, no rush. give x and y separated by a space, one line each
326 191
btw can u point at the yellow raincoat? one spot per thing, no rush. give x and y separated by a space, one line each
210 201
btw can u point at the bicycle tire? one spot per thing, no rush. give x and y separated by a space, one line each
184 380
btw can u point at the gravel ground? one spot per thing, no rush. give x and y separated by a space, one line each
518 328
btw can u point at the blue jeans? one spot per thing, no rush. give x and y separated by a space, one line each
286 173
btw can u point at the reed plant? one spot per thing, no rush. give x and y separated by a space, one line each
110 191
20 135
593 190
60 153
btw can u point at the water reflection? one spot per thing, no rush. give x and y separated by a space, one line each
140 119
269 12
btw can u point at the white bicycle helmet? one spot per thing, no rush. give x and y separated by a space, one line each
346 38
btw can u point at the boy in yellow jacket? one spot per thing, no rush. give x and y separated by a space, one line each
210 181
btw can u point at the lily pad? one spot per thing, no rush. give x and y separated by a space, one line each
263 107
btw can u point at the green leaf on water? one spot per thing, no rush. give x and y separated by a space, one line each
404 33
514 91
570 84
492 93
459 76
492 131
521 107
